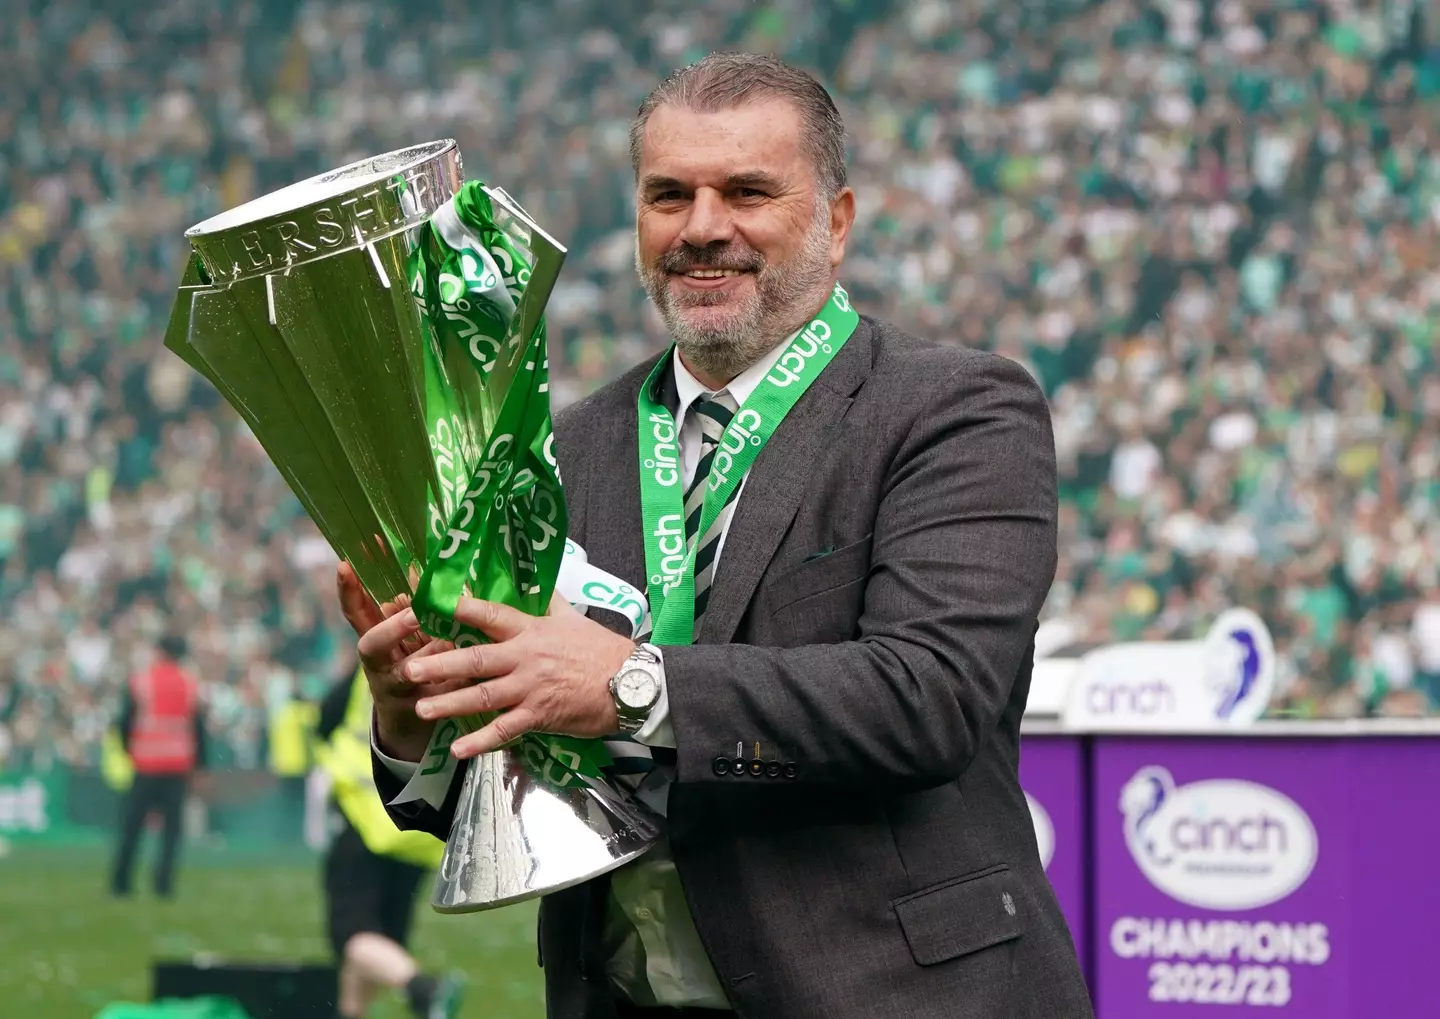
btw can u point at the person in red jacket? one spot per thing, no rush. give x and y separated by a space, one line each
163 728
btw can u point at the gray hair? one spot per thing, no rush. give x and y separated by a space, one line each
723 81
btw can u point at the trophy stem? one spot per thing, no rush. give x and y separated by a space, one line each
517 836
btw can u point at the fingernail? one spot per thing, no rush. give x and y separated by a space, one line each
408 618
425 709
461 753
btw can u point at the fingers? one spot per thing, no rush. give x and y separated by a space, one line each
402 601
432 646
358 607
417 640
496 621
380 643
432 689
478 699
479 661
420 644
505 729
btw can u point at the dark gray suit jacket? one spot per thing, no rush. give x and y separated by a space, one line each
871 626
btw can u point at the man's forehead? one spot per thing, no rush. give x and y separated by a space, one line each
762 136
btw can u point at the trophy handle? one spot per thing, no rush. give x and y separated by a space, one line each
518 835
547 258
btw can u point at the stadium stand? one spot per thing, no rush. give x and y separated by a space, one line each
1210 228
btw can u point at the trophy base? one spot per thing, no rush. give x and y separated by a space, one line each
517 837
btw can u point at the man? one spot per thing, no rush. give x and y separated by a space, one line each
372 871
162 728
846 833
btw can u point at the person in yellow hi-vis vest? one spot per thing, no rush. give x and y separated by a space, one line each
372 870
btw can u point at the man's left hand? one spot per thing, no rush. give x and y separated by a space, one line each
546 673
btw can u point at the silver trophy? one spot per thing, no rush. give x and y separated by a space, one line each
297 307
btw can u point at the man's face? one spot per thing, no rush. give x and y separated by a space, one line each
734 243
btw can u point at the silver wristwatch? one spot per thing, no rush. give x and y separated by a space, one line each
636 688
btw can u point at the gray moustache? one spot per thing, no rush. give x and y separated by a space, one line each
678 263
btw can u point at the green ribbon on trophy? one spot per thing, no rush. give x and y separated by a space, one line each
499 530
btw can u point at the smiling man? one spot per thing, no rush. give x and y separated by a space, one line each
832 703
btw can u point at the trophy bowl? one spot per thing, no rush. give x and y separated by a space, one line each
380 329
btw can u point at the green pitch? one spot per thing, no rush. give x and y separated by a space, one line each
67 948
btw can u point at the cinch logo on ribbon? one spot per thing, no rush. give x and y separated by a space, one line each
585 587
813 339
664 459
745 428
1219 844
1223 681
668 535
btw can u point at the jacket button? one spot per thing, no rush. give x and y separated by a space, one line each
739 766
721 766
792 769
757 767
773 769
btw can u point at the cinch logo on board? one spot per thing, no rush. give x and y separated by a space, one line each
1223 681
1044 830
1239 666
1218 844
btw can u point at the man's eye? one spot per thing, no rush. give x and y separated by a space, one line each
667 196
750 193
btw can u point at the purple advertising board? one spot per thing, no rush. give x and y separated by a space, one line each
1052 771
1290 876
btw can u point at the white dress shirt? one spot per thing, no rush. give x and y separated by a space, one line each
655 954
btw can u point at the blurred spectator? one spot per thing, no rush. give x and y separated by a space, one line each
1209 228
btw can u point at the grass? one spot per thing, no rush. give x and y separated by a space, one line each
67 948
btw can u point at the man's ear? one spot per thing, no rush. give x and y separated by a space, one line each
842 218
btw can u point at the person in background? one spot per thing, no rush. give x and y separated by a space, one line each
372 870
162 727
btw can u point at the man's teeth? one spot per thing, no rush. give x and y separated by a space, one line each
711 274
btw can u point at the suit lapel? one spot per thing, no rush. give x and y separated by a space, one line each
775 486
613 528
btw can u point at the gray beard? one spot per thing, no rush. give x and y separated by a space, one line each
784 297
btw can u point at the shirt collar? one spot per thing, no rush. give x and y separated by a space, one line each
689 389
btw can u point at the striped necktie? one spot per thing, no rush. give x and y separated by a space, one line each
712 414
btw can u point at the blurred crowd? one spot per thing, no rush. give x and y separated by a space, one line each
1209 228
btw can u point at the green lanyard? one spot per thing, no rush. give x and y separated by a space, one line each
669 565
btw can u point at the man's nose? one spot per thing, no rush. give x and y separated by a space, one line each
709 221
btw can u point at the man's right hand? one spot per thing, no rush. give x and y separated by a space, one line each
389 636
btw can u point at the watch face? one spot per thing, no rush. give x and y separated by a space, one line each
636 688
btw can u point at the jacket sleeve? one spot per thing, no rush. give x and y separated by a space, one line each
417 815
964 552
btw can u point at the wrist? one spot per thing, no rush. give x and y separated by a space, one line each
637 687
402 734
